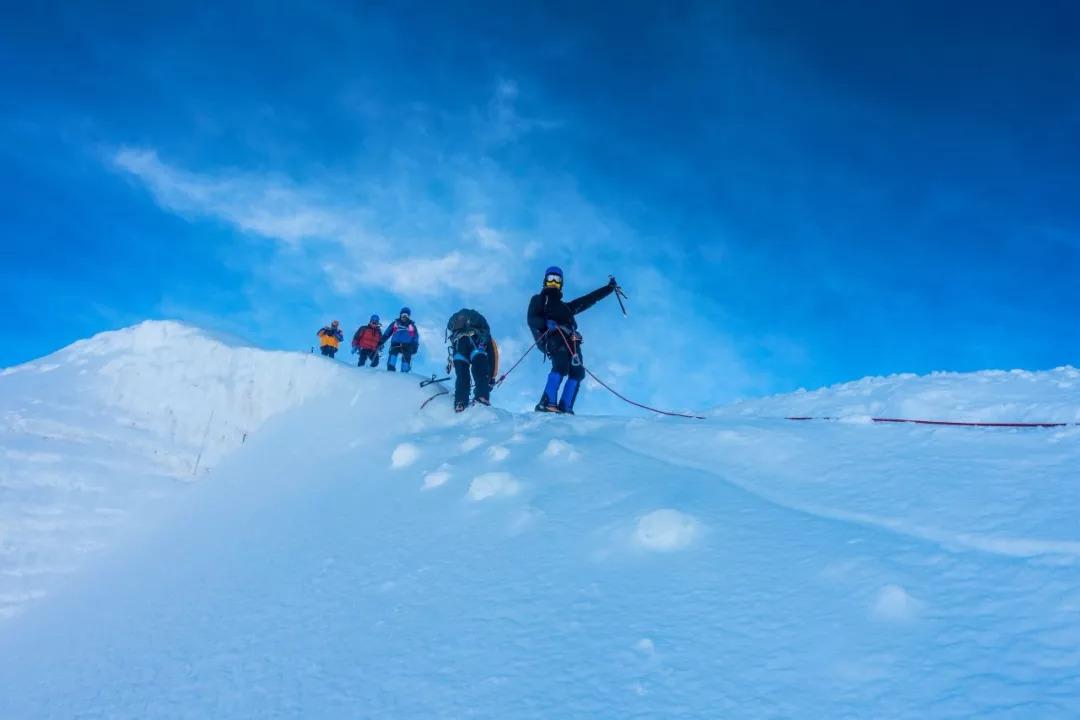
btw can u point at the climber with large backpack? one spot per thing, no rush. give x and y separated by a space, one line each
471 350
554 326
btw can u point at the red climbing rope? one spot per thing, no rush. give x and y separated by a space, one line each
637 404
613 391
523 355
946 423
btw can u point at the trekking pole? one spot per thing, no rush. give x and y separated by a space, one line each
620 296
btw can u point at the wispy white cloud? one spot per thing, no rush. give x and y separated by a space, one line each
413 276
487 236
505 120
271 207
310 220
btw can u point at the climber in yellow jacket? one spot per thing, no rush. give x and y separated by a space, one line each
330 338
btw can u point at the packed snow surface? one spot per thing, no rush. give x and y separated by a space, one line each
190 529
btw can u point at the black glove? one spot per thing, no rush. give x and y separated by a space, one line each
613 282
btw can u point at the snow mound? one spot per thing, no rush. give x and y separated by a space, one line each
560 449
893 604
493 485
404 455
437 478
498 453
666 530
471 443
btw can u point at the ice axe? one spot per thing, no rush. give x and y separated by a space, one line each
620 296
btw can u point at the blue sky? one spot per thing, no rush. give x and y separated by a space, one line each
792 195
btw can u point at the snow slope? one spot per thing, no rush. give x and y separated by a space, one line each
357 558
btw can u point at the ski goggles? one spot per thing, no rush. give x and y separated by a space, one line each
404 315
553 281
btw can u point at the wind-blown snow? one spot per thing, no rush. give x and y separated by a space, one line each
340 562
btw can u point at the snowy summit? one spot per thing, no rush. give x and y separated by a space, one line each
194 529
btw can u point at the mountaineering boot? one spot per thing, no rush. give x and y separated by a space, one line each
484 401
545 406
459 407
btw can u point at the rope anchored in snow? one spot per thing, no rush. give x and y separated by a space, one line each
430 381
438 394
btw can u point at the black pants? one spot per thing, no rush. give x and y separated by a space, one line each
328 350
471 352
368 354
562 360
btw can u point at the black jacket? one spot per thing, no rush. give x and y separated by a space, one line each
549 305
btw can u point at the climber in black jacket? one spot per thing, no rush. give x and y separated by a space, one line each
550 314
